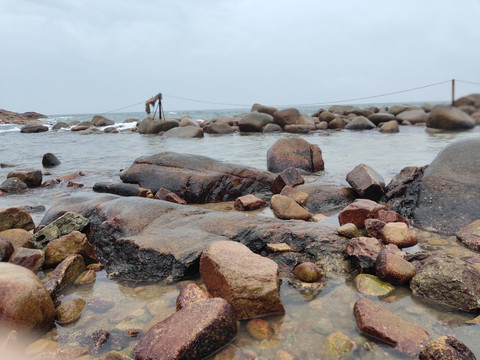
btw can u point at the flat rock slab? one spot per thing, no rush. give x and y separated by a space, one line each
147 240
249 282
193 332
377 322
196 179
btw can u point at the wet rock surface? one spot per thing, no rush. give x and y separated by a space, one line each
366 182
470 235
196 179
358 211
156 236
295 152
15 218
446 347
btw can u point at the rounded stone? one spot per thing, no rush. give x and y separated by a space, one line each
259 329
308 272
25 303
348 230
70 311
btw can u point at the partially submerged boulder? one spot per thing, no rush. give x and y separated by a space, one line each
375 321
249 282
295 152
195 178
449 281
445 117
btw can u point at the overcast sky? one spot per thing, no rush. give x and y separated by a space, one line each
93 56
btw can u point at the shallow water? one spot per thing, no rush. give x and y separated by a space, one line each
308 320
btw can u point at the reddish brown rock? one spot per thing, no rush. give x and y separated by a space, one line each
399 234
358 211
246 280
285 208
446 348
309 272
167 195
470 235
32 259
374 227
259 329
15 218
364 251
193 332
388 216
25 304
191 293
33 178
248 202
17 237
393 268
288 177
376 322
65 273
366 182
286 117
296 152
74 243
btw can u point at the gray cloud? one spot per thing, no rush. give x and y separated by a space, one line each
94 56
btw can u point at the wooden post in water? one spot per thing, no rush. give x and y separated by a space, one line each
453 92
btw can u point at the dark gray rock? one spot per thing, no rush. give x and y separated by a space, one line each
13 185
33 128
254 122
195 178
50 160
99 120
326 198
185 132
450 190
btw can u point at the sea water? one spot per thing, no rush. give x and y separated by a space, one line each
308 319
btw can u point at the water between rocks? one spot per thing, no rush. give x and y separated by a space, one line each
309 318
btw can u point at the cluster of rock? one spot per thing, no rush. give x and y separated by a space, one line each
10 117
463 116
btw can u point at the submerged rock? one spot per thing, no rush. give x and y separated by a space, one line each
375 321
470 235
193 332
70 311
449 281
195 178
371 285
249 282
33 178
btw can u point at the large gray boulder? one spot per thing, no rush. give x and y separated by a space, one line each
446 117
147 239
450 189
195 178
154 126
254 122
184 132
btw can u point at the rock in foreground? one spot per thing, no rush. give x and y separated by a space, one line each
193 332
246 280
25 304
375 321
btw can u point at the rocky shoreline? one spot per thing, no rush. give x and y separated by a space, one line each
10 117
149 227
